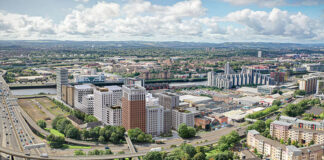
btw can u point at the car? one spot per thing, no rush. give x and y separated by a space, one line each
106 147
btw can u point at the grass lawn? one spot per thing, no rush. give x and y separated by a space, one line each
67 146
55 132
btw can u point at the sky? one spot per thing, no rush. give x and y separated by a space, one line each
215 21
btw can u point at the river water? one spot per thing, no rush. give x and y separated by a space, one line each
34 91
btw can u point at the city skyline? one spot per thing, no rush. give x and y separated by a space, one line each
182 20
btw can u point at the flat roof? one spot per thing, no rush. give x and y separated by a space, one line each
113 88
83 86
282 123
194 99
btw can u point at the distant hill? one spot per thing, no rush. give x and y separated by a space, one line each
148 44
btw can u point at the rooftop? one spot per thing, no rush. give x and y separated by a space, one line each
282 123
113 88
315 110
286 118
83 86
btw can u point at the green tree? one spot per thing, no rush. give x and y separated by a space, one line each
268 122
276 103
259 125
282 141
79 153
311 143
141 138
177 154
108 152
227 155
289 141
90 118
185 131
101 139
85 134
191 132
41 123
73 132
189 149
55 141
55 120
153 156
114 138
199 156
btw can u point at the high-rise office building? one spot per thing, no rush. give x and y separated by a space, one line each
133 107
61 79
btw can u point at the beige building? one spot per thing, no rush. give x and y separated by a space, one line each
308 84
276 151
284 130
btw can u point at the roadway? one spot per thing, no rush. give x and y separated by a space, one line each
20 135
213 136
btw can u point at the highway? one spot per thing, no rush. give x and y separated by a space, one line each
15 127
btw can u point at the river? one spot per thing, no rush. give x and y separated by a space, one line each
34 91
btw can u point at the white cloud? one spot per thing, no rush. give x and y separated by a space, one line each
17 25
184 21
277 22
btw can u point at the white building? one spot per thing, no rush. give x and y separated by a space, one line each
154 120
87 104
114 116
104 98
79 92
259 54
179 117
